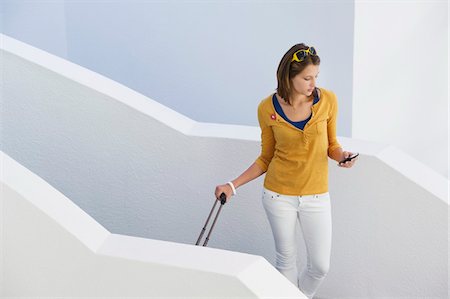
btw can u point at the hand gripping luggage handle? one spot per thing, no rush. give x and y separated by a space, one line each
223 200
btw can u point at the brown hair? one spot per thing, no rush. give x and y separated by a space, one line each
288 70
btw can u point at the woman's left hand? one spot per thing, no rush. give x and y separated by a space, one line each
347 164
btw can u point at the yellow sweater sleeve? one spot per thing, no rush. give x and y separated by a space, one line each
333 143
267 139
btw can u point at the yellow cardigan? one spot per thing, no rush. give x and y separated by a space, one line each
296 161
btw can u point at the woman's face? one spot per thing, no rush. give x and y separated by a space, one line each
305 82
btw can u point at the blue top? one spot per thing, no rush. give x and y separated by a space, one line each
299 124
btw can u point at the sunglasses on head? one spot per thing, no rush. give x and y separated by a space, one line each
301 54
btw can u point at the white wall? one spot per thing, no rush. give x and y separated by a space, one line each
143 170
51 248
43 23
400 83
212 61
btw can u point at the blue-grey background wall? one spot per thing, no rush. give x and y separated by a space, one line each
212 61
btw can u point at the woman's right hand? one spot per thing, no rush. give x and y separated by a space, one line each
223 189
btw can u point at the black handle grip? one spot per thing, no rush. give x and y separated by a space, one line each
223 198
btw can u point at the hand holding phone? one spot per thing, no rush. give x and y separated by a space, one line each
349 158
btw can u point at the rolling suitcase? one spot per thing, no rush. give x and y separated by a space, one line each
223 200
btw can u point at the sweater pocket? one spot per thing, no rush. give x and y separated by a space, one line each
321 126
322 135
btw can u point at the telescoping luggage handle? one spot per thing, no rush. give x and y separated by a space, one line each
223 200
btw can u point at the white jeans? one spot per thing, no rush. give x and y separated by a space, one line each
313 212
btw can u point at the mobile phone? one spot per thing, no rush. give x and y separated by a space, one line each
349 158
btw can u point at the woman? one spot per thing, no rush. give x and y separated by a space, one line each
298 134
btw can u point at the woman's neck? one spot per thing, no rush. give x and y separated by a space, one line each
297 100
300 99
